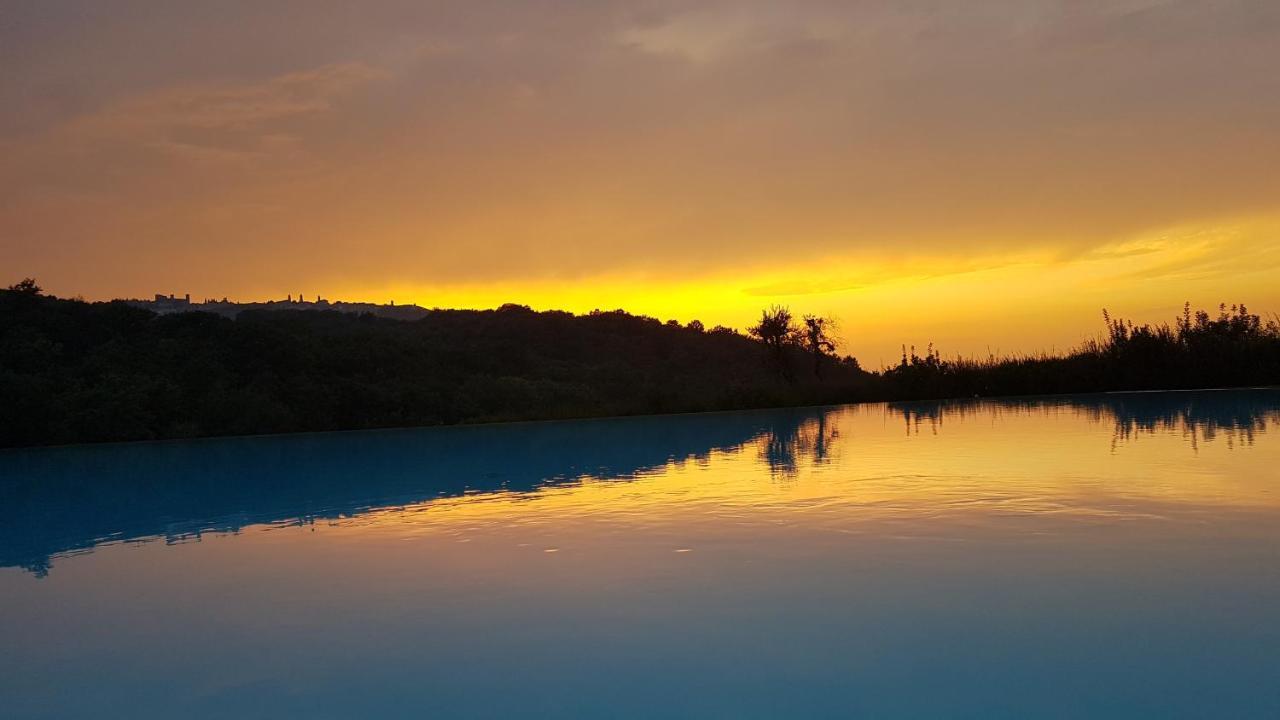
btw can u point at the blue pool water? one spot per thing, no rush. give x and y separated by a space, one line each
1094 556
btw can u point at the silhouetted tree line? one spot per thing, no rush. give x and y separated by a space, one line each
72 371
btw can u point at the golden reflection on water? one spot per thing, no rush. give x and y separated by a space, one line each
857 465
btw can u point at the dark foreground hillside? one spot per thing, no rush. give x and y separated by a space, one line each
77 372
74 372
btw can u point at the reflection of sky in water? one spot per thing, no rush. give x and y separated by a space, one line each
1103 556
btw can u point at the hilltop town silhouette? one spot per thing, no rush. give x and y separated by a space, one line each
169 304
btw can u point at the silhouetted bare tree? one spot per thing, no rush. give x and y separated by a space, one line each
816 333
776 330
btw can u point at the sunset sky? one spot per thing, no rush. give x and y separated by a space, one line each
985 174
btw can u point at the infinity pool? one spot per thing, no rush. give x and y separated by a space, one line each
1072 557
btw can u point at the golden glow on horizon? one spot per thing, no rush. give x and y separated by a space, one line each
1024 302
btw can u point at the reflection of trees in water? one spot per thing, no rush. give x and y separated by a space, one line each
786 446
1200 418
59 501
930 414
1237 416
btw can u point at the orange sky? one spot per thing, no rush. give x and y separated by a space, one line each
987 174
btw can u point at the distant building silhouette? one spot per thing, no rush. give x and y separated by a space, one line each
167 304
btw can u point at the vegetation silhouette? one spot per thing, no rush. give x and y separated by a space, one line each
72 371
816 335
1234 349
776 331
